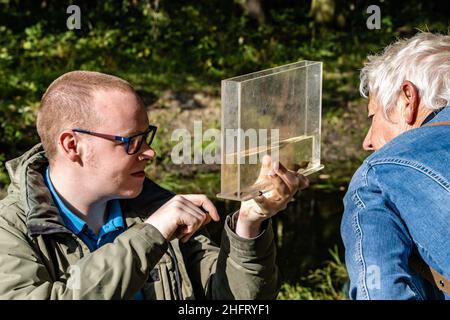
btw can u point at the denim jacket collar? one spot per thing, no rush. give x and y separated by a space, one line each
439 115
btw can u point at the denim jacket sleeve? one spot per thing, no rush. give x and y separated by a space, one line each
377 240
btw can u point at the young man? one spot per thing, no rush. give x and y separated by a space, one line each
396 222
81 220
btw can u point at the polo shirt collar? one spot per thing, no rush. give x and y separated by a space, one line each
75 224
115 218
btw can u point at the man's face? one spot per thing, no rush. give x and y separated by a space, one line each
382 130
114 173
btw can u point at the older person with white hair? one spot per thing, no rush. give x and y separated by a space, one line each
396 224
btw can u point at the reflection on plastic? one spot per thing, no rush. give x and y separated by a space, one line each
285 101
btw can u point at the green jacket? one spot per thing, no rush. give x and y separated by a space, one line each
41 259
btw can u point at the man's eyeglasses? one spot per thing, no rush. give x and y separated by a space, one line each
132 144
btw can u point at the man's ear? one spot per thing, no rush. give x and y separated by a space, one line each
410 97
69 146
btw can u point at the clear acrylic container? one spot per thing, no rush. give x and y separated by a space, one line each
272 113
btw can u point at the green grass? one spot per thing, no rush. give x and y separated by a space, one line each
326 283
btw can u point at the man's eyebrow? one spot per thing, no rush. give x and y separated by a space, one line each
129 133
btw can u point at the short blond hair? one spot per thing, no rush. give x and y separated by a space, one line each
68 103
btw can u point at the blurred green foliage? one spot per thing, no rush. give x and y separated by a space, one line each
176 45
330 282
159 44
184 46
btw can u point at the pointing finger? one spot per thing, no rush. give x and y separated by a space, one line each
204 203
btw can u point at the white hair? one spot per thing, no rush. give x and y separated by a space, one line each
423 59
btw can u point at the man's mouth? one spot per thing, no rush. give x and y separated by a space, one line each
139 174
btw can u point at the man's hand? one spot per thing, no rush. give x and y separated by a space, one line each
183 215
285 184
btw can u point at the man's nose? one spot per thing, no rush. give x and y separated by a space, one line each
367 143
147 153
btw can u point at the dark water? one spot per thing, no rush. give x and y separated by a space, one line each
304 232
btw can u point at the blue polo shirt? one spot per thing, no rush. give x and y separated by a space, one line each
114 224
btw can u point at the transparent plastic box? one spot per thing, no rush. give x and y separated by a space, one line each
272 113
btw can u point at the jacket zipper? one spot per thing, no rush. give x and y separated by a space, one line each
177 272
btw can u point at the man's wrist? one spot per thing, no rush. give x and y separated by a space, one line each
247 229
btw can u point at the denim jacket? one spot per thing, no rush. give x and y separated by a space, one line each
398 204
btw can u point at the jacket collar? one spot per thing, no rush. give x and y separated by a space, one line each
42 217
440 115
